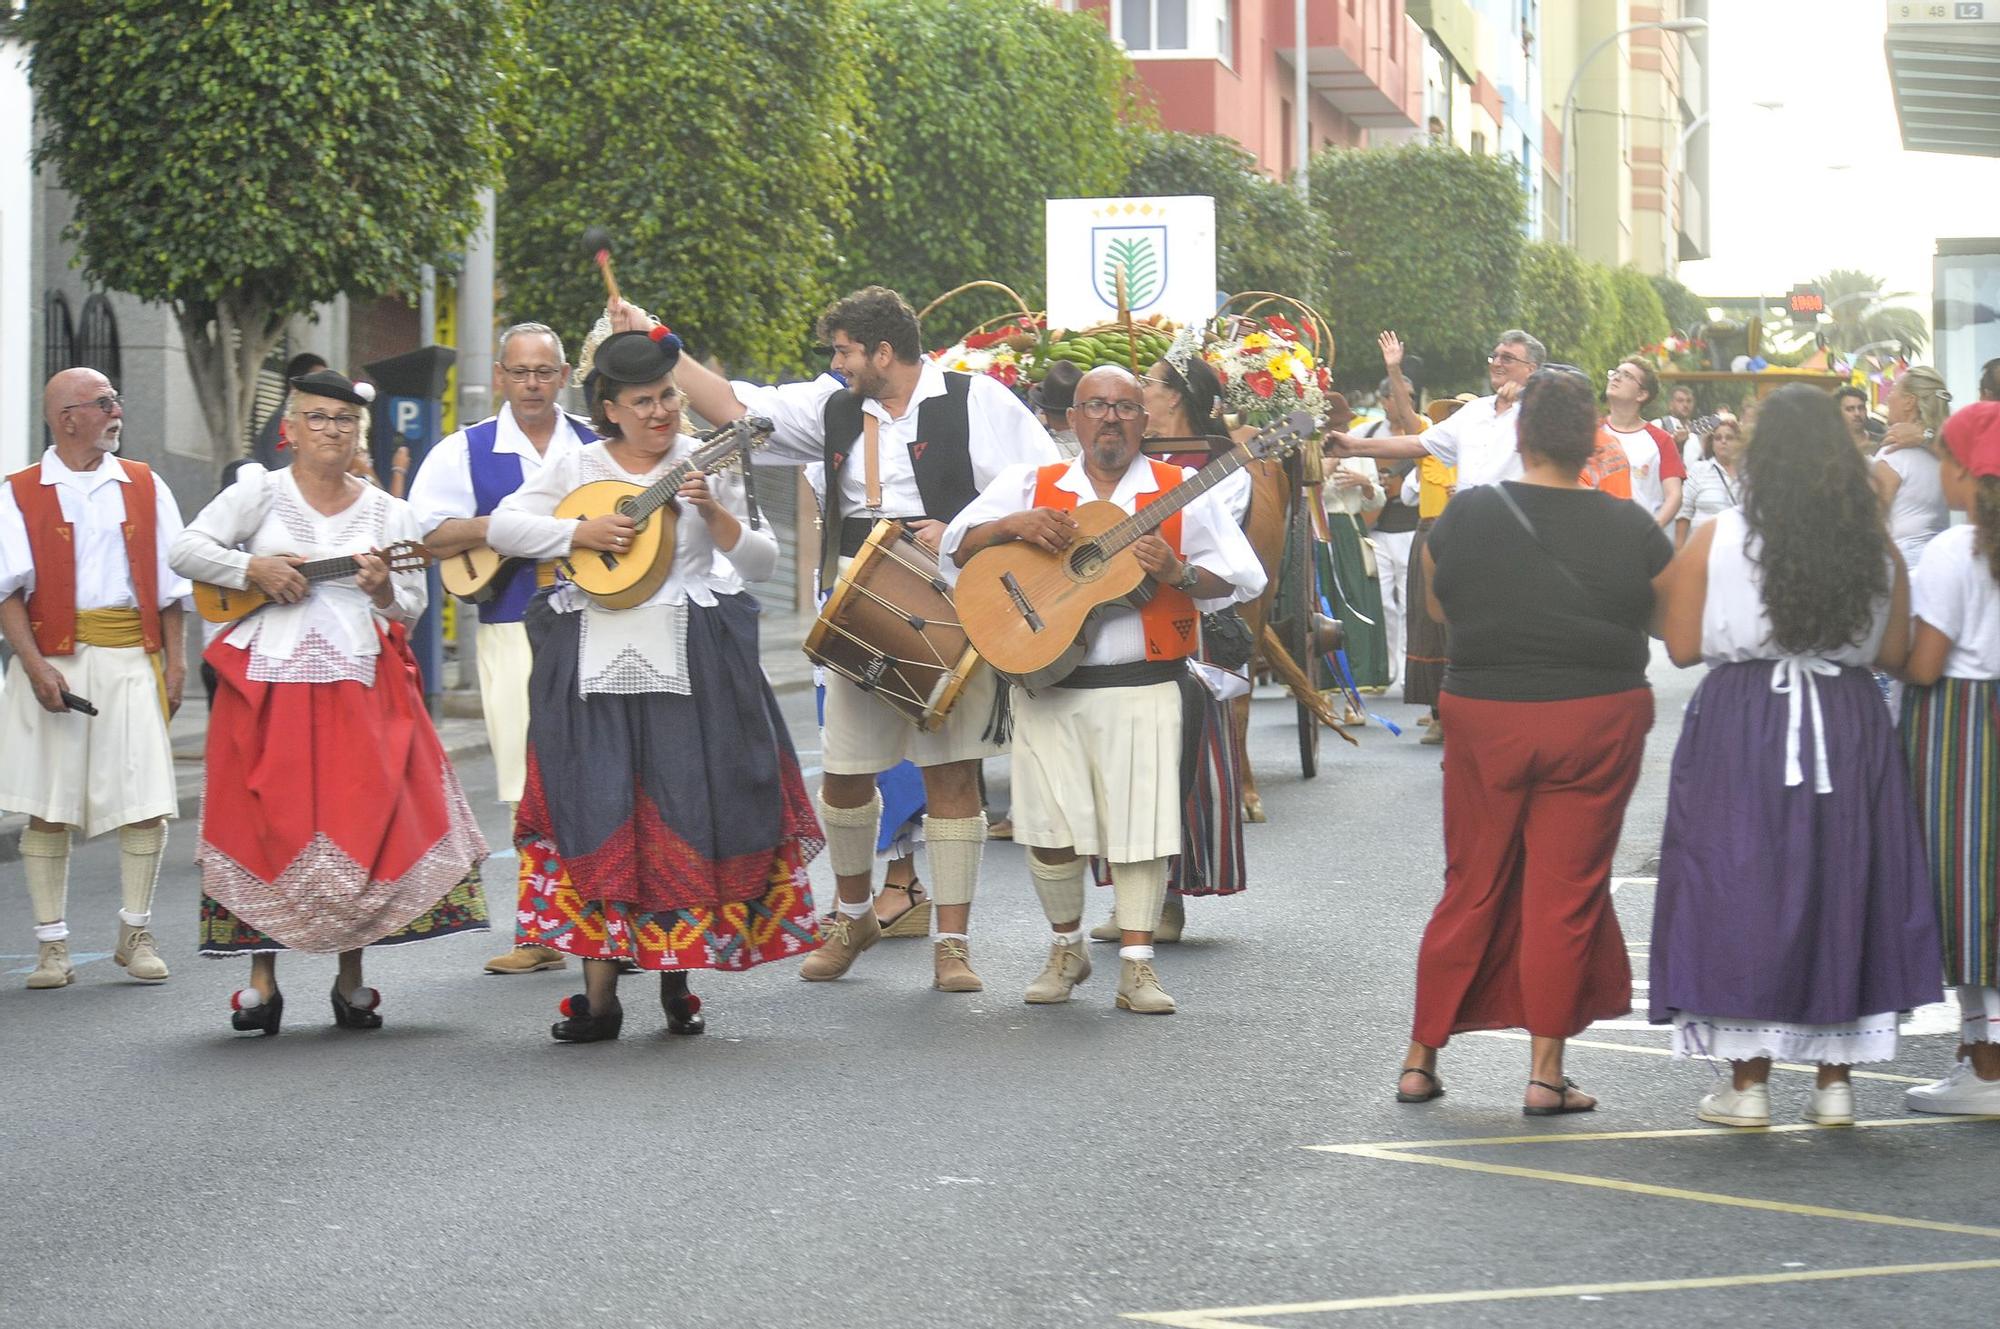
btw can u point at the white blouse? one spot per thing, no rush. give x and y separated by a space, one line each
644 648
331 635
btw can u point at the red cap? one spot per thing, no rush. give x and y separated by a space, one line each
1973 435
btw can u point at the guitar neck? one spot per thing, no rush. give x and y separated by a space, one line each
329 569
661 492
1151 517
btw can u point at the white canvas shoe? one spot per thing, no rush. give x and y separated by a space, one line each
1960 1094
1737 1107
1832 1106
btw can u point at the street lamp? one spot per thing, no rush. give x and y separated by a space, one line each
1680 25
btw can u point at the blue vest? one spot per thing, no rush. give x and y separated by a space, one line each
495 475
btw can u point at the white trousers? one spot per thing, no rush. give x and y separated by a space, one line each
505 661
1392 560
94 772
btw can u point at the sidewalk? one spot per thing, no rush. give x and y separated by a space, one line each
464 736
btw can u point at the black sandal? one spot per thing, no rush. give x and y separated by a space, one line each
1435 1091
1562 1107
580 1025
683 1007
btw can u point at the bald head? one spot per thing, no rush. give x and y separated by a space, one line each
1109 418
84 416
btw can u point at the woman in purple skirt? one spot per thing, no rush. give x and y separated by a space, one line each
1793 918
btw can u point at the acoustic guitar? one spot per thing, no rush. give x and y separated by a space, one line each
1025 608
226 604
622 580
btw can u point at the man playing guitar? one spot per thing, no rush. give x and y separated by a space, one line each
1097 756
462 479
899 438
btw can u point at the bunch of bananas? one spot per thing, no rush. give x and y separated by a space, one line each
1112 346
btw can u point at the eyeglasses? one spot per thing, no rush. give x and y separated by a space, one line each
108 403
1506 360
320 422
539 374
666 401
1097 408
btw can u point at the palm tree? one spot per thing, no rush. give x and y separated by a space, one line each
1863 313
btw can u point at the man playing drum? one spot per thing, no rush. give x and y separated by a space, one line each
899 438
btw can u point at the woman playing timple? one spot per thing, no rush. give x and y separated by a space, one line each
665 821
332 820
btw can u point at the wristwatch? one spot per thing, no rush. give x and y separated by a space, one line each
1190 574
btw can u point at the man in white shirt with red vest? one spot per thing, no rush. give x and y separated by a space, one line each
460 483
1097 756
93 614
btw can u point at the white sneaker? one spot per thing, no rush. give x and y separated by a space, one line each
1962 1093
1832 1106
1737 1107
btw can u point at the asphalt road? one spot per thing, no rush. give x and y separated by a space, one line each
872 1153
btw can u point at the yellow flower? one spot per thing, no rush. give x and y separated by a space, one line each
1305 359
1281 367
1256 341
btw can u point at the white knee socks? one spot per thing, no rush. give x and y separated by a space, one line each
955 845
1061 887
45 854
1139 892
140 849
850 836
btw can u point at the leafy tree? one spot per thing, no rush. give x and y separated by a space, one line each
1435 239
1557 299
1686 311
1642 319
716 142
242 167
1602 345
1267 238
981 112
1863 313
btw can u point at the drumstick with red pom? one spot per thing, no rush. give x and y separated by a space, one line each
598 241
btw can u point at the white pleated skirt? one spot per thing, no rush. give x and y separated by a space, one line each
95 772
1097 770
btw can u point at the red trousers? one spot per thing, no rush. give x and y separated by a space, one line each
1534 799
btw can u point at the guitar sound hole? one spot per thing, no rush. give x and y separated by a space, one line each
1086 562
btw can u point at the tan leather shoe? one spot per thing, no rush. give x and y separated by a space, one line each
1433 734
1139 989
527 960
1068 965
1173 920
138 953
845 939
52 966
951 966
1108 930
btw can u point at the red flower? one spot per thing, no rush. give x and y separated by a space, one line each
1222 376
1325 379
1261 383
1282 327
979 341
1007 374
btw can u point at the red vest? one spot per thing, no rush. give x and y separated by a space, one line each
1171 622
52 543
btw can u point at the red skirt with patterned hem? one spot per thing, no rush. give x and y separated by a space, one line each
332 819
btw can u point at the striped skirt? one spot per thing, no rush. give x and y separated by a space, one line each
1951 734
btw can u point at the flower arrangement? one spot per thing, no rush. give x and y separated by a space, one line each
1268 373
1678 352
1006 353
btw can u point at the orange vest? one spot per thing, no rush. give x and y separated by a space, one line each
1171 622
52 543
